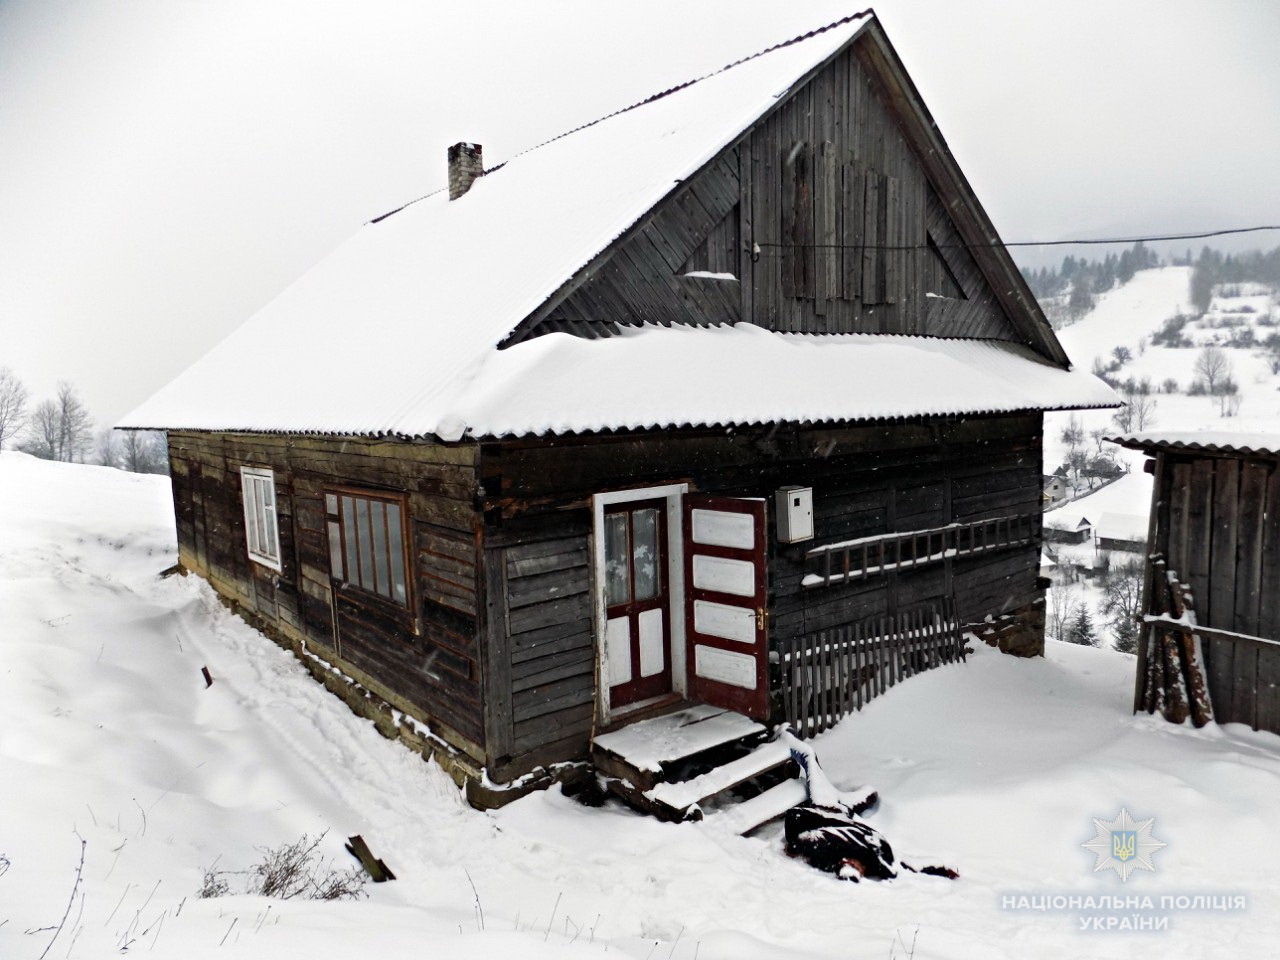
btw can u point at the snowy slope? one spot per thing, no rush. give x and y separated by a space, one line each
1128 316
108 734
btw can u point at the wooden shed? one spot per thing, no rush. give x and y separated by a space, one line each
634 420
1209 647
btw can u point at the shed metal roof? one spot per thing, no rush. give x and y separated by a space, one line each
1201 441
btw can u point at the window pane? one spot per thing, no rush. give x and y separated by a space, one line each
271 542
617 585
645 553
395 547
335 550
378 520
364 540
351 572
259 532
331 504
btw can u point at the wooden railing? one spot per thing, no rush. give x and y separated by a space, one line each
869 556
831 673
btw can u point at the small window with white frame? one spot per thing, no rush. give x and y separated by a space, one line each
261 530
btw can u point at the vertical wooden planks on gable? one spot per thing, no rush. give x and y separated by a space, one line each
745 254
851 200
826 232
872 239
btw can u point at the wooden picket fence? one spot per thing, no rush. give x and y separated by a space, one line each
831 673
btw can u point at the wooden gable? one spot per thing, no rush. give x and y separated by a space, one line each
832 214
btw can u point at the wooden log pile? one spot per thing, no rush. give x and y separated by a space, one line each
1173 672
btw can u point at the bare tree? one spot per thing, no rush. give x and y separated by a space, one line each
144 451
1061 609
60 429
1138 412
105 448
1122 603
13 405
1144 410
42 431
1213 367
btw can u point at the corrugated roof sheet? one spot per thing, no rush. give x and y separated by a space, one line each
1205 441
743 374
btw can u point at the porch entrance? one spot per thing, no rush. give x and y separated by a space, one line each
680 595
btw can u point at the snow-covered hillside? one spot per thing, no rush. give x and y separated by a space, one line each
1130 315
110 739
1136 318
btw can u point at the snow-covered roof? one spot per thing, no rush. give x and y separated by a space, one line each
1202 441
397 331
742 374
1122 526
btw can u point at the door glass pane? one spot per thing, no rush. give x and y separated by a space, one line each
378 520
617 585
335 550
644 525
395 547
364 540
351 574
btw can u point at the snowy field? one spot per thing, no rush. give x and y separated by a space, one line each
108 737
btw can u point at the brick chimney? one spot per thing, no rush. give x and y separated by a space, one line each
465 164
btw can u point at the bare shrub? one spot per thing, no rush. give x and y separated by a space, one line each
214 884
291 870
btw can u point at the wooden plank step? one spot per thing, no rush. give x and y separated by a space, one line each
746 816
650 744
683 794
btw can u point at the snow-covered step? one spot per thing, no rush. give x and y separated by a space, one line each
746 816
683 794
649 744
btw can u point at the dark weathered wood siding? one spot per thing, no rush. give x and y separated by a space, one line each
824 215
426 660
866 480
1218 523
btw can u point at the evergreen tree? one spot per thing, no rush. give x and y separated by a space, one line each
1080 629
1126 637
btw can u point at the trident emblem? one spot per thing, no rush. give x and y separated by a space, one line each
1124 844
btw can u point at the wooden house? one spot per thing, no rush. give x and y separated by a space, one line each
1126 532
623 422
1209 647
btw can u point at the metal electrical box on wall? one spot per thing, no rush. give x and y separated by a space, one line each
794 509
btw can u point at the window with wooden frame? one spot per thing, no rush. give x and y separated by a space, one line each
261 529
368 542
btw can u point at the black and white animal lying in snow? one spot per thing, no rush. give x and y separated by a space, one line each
840 843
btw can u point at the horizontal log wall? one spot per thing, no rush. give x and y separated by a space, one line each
425 660
866 480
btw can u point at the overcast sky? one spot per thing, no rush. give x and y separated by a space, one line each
168 166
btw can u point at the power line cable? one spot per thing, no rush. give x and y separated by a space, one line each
1154 238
